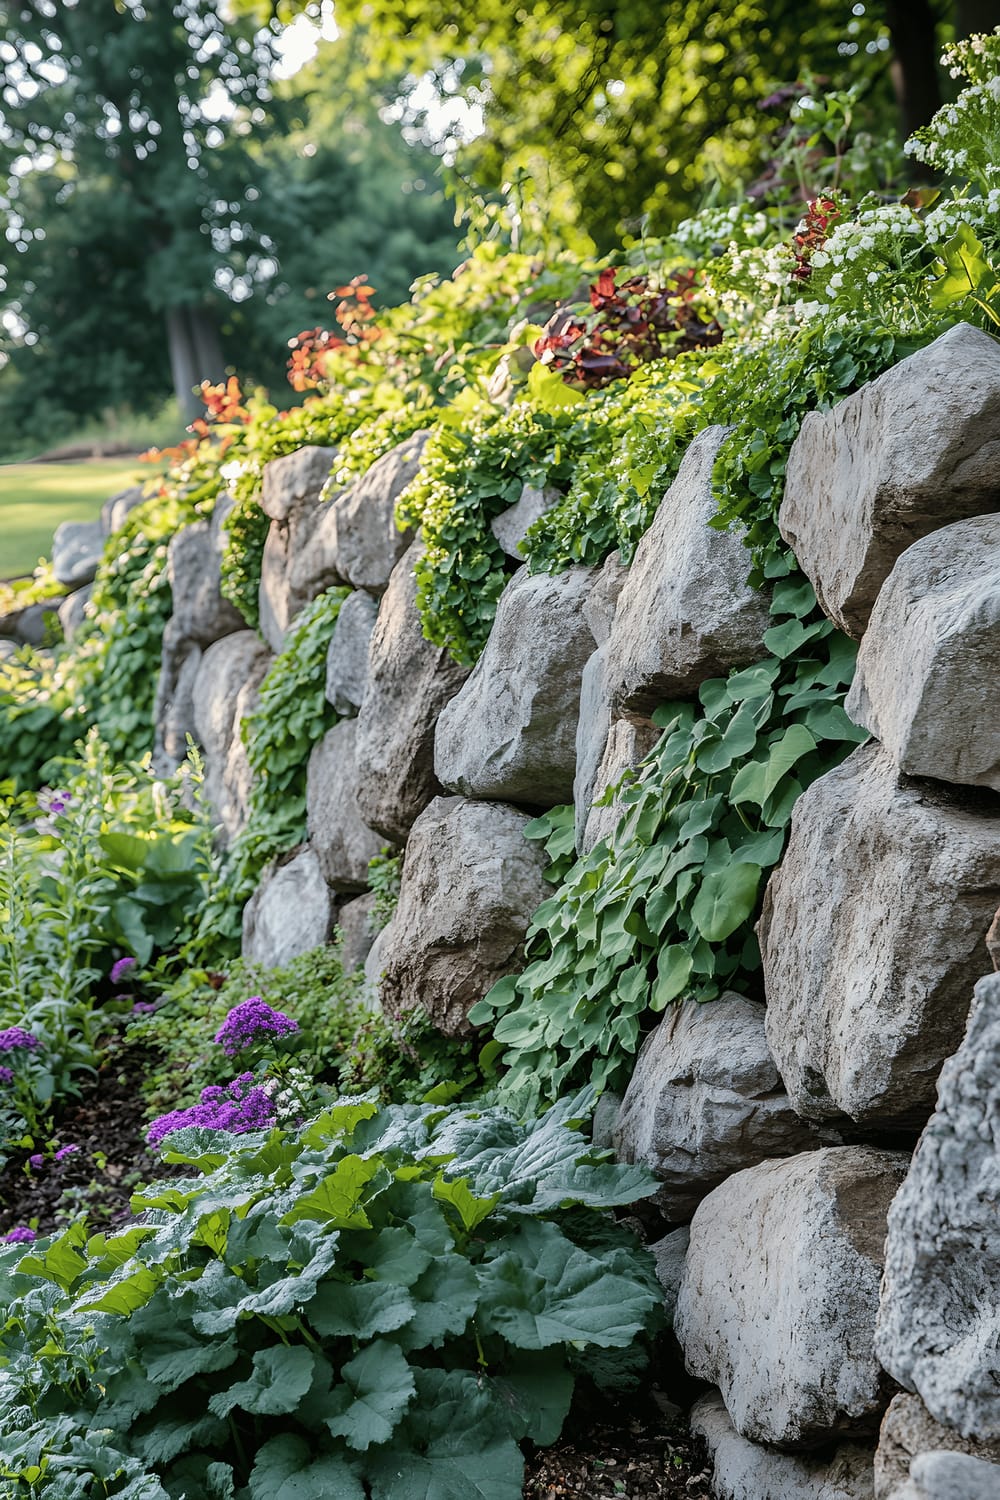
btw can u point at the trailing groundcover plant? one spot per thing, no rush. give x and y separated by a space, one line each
381 1304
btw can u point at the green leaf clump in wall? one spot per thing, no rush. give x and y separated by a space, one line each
662 912
383 1303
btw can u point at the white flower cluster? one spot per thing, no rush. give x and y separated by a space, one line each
963 139
702 234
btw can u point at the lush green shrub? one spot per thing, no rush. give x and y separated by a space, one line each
383 1304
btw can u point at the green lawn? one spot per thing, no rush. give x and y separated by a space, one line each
34 498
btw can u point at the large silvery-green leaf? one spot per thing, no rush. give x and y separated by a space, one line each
544 1290
281 1376
453 1445
378 1387
444 1299
725 900
359 1309
286 1470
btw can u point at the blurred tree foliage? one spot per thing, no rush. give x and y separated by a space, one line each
598 112
171 204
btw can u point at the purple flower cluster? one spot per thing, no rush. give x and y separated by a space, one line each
15 1039
22 1235
6 1075
252 1022
238 1107
122 967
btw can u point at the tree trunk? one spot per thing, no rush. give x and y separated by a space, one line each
914 66
973 16
195 355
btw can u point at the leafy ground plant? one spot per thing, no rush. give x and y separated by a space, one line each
380 1305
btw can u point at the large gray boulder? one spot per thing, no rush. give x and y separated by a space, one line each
224 670
872 936
907 1430
116 511
77 548
627 746
343 842
705 1101
914 450
939 1324
173 711
471 884
746 1471
347 654
510 732
409 683
594 724
357 931
289 914
950 1476
194 568
931 655
511 525
685 611
72 611
670 1253
296 479
780 1293
237 774
357 537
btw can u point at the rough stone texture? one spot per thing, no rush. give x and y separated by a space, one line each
685 611
628 745
939 1325
914 450
289 914
602 601
471 884
510 525
409 683
670 1254
342 840
77 548
705 1100
347 655
356 537
292 573
294 480
237 776
872 935
357 935
993 941
510 733
909 1429
593 730
930 657
744 1471
32 626
72 611
950 1476
224 670
780 1293
115 512
173 712
194 566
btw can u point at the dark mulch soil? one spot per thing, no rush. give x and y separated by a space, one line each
621 1457
107 1126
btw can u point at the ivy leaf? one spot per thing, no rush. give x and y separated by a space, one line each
673 970
739 738
285 1470
378 1387
784 753
725 900
281 1376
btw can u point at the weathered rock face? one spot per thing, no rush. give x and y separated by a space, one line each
32 625
194 567
780 1294
744 1471
685 611
289 914
939 1325
409 683
290 576
510 733
471 884
670 1254
347 655
77 548
872 936
510 525
593 730
294 480
916 449
357 536
237 775
343 843
908 1429
355 924
930 657
173 713
950 1476
705 1101
115 512
225 669
72 611
628 745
